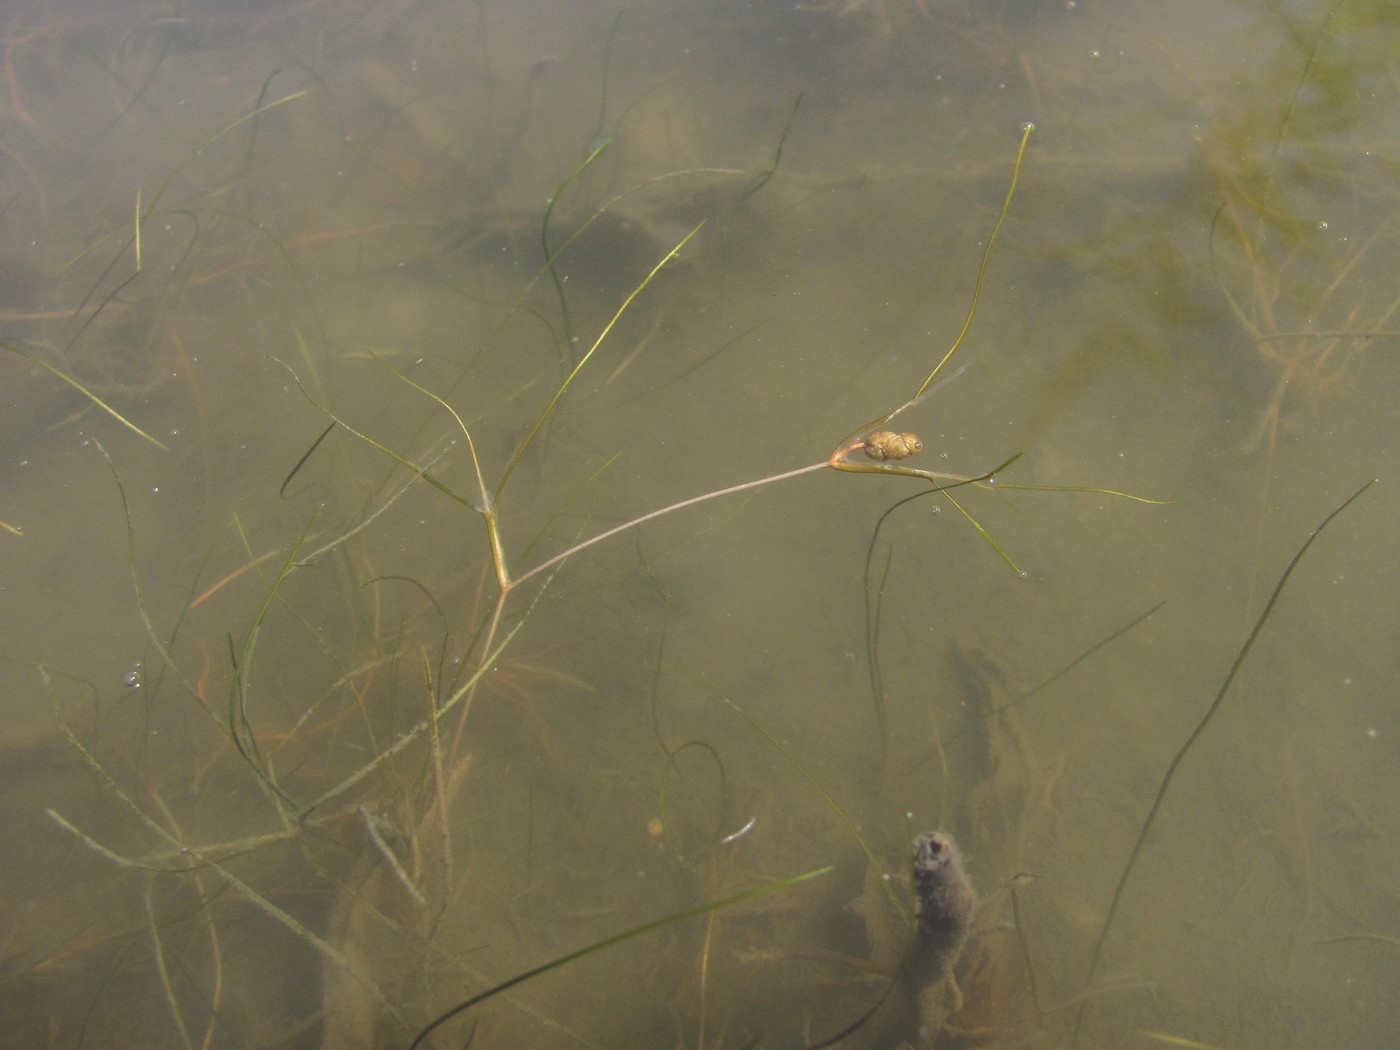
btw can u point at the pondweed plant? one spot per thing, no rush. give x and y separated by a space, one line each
389 949
1301 247
869 449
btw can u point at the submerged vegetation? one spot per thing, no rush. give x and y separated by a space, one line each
354 770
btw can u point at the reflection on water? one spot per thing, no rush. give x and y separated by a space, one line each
293 756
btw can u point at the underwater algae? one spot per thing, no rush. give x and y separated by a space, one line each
370 759
369 946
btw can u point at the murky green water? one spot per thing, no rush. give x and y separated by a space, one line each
229 819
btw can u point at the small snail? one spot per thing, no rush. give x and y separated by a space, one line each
886 444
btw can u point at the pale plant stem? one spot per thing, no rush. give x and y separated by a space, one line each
439 783
498 553
731 490
164 971
486 648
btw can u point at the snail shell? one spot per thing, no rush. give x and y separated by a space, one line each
886 444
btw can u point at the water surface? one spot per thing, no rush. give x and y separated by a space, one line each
283 765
